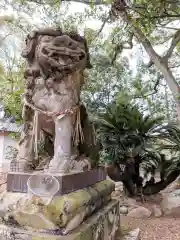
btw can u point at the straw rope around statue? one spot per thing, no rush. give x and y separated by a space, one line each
78 135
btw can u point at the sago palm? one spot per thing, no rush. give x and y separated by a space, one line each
170 142
126 134
123 130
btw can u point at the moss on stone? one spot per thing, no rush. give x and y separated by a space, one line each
96 227
64 208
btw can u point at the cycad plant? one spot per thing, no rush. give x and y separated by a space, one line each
127 137
168 148
170 144
124 130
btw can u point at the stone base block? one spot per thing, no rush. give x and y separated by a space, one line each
17 181
63 213
102 225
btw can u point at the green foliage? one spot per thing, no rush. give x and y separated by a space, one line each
125 131
150 161
108 79
151 13
170 137
12 88
104 81
13 105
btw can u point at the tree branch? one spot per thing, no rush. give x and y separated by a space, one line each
88 2
129 44
154 57
175 66
119 9
171 28
165 16
155 88
2 39
149 64
123 45
143 40
118 49
174 42
102 27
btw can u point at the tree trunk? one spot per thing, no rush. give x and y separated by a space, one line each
115 173
160 62
159 186
129 185
171 82
167 103
149 189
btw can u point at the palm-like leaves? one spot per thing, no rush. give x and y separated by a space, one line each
170 135
150 161
126 133
123 129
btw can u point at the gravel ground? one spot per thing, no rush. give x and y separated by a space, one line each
154 228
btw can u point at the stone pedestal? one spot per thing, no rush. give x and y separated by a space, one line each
64 212
81 209
17 181
103 225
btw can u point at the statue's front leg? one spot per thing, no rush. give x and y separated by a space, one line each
62 145
25 156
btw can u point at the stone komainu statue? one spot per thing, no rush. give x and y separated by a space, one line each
52 110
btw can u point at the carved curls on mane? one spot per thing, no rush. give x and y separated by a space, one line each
32 40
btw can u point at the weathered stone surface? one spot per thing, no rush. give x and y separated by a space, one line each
123 209
155 198
8 202
17 181
130 202
52 98
65 212
133 235
116 194
103 225
156 211
82 165
170 205
140 212
119 186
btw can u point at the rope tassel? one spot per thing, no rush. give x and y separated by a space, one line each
78 135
